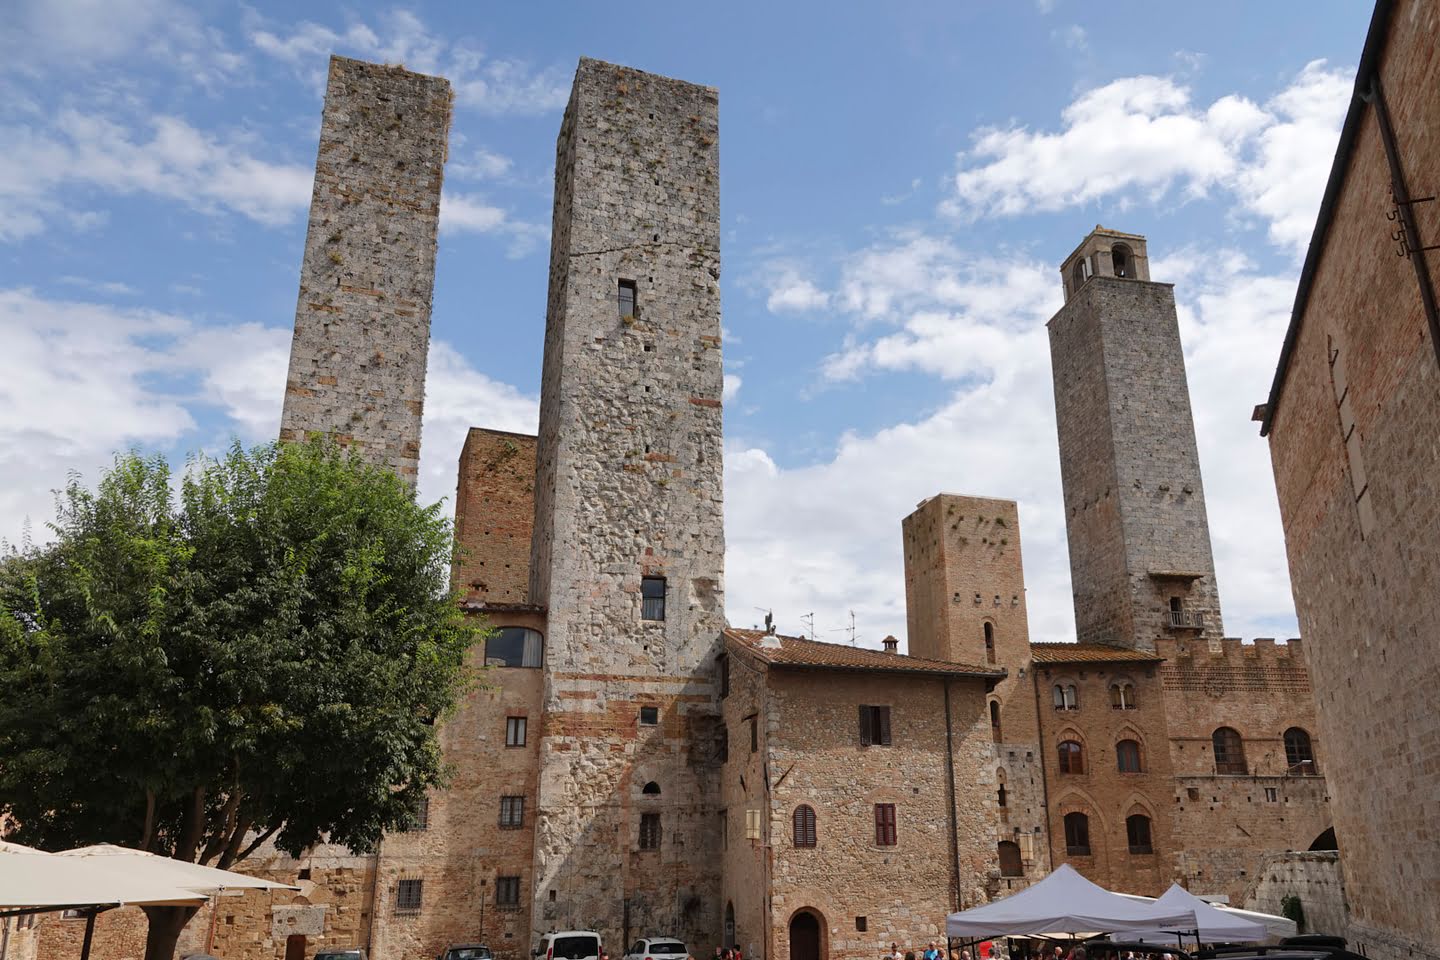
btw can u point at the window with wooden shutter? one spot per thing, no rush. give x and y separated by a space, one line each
804 824
874 726
885 824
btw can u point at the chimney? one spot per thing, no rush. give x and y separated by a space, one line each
891 645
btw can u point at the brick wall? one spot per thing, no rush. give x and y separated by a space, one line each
1367 600
495 516
362 324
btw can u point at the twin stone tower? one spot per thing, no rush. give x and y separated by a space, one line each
626 565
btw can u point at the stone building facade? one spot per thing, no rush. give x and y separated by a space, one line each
1351 422
631 765
362 323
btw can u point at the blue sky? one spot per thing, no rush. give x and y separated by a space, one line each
899 184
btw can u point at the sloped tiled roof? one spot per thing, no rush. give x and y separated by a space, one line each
812 654
1082 652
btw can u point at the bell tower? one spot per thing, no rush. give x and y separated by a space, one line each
1140 559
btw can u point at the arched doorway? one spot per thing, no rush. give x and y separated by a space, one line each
805 936
1326 841
729 925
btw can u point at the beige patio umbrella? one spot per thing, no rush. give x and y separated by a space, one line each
195 877
32 881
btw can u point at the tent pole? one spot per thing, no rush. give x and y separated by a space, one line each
89 933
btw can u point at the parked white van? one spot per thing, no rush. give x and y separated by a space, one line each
569 945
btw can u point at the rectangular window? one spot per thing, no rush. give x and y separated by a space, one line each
652 598
507 891
752 824
627 298
514 731
861 924
409 894
885 824
1272 795
649 831
649 716
512 812
874 726
421 817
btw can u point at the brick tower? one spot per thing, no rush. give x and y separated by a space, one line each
1140 560
629 541
362 324
965 602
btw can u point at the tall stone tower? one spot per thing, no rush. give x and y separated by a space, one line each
1140 560
628 551
362 324
965 602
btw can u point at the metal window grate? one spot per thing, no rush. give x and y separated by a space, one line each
650 831
507 892
512 812
409 895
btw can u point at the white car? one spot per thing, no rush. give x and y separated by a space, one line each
569 945
658 948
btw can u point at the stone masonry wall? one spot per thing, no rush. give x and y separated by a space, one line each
963 571
1134 503
362 324
1101 791
1367 598
814 754
495 516
1315 878
745 859
629 485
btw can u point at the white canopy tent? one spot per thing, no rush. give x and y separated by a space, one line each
1223 917
1213 924
1065 904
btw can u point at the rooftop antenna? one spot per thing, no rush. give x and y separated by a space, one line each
769 618
852 628
809 619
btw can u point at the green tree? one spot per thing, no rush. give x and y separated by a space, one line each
265 654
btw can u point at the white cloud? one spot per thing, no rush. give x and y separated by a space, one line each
467 213
731 388
480 164
487 84
922 304
170 159
1072 36
791 292
1141 138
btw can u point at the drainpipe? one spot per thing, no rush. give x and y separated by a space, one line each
959 901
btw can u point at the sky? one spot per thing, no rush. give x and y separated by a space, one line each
899 184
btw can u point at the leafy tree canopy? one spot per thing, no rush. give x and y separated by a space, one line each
265 652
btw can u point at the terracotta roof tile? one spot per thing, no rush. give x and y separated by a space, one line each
1081 652
812 654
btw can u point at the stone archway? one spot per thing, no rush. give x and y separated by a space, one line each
806 936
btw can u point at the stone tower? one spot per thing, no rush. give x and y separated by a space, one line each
362 324
965 602
1140 560
628 551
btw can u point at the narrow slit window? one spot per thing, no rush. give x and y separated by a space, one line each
885 825
627 298
652 598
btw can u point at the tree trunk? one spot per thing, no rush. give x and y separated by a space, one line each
164 930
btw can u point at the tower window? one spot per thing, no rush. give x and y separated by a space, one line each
514 731
1229 752
652 598
651 789
507 891
649 716
649 831
724 676
409 895
1137 831
627 298
804 825
1077 835
1122 696
1072 757
512 812
995 720
1298 753
989 642
1123 262
1066 697
885 825
1010 863
1127 756
1000 797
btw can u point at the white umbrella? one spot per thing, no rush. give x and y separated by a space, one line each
1065 903
180 873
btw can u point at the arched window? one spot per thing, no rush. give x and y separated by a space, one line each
1066 697
1010 863
514 647
651 789
1229 751
1123 261
1127 756
1137 831
803 822
1077 275
1298 753
1077 835
1122 695
995 720
989 642
1072 757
